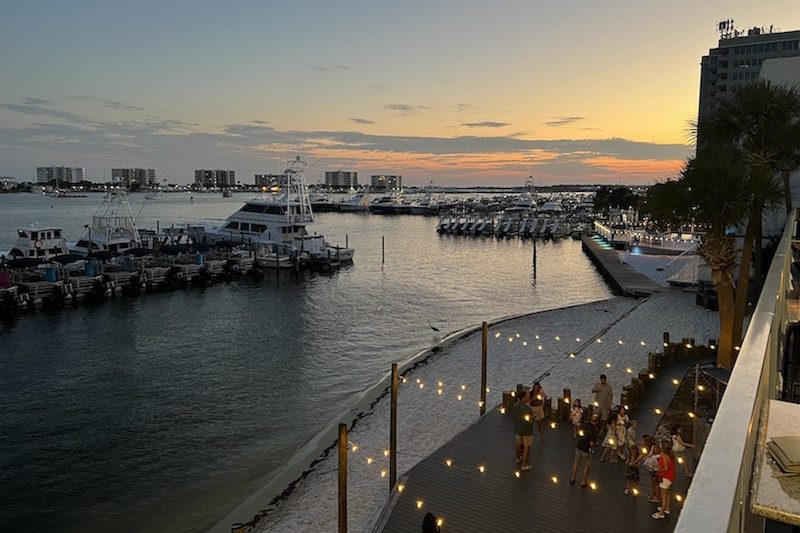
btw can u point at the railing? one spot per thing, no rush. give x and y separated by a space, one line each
719 497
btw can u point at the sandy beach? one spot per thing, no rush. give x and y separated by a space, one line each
608 336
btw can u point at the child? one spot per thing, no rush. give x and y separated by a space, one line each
576 417
620 431
632 476
610 440
678 445
650 461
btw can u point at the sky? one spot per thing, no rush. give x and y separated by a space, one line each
457 92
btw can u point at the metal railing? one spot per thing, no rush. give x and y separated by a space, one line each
719 498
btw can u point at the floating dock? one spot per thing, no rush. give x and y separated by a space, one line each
626 279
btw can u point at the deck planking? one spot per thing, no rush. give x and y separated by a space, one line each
471 501
625 278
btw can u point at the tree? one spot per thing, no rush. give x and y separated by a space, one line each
618 197
712 190
761 120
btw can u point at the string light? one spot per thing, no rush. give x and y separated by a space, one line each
463 387
440 384
566 401
482 468
652 376
516 473
678 498
558 338
440 522
658 411
488 390
675 381
401 488
439 392
459 397
420 503
524 343
589 360
572 355
665 345
608 365
404 379
635 491
418 381
689 345
737 348
480 403
599 341
496 335
626 407
619 341
577 339
555 479
527 418
644 450
691 414
629 370
642 343
369 460
593 485
518 335
421 385
448 462
502 410
511 339
580 433
701 388
386 453
552 425
680 460
537 337
383 473
355 448
713 347
596 404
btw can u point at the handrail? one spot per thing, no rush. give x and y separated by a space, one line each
719 498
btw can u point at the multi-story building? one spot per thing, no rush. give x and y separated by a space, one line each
266 180
738 59
60 174
341 178
385 182
125 177
214 178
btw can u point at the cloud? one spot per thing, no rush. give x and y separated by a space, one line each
108 102
328 68
377 86
486 124
44 108
356 120
404 109
563 121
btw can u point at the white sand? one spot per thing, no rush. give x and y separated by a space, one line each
427 420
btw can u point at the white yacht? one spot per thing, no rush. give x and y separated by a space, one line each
268 219
38 242
358 203
112 228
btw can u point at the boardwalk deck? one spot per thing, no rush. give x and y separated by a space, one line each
625 278
496 500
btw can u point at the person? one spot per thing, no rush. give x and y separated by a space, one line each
523 428
429 524
678 446
603 395
610 441
666 471
632 475
587 439
630 435
538 397
576 416
620 432
650 461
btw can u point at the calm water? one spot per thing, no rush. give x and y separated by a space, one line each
164 411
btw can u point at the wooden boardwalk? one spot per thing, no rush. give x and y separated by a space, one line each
496 500
626 279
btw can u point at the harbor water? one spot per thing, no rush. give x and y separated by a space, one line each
164 411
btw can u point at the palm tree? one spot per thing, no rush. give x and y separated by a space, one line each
761 121
712 190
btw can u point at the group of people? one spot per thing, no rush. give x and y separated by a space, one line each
615 433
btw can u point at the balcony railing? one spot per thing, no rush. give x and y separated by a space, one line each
719 498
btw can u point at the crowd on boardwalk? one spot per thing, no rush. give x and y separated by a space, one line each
608 429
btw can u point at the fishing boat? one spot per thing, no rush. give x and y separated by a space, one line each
271 218
37 242
111 229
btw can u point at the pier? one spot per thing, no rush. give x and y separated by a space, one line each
541 499
625 279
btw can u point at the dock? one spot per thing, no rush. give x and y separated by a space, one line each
624 278
541 499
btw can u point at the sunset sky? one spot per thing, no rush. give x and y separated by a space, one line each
458 92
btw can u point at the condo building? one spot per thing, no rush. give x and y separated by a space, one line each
126 177
61 174
341 178
738 59
214 178
385 182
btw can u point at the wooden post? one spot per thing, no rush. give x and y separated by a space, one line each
534 260
346 240
342 478
484 353
383 249
393 431
666 339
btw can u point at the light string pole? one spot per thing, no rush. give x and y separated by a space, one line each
343 478
393 431
484 353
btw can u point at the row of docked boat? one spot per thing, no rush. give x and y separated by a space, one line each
269 231
505 226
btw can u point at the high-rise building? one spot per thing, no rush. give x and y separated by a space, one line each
341 178
125 177
384 182
214 178
266 180
61 174
738 59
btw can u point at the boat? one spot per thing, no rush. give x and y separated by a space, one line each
427 205
322 204
226 193
359 203
271 218
37 242
111 229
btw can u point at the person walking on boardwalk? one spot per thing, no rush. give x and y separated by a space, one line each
538 398
666 471
587 439
603 396
523 429
678 446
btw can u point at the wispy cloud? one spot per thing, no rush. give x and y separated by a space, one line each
486 124
107 102
404 109
563 121
44 108
377 86
362 121
328 68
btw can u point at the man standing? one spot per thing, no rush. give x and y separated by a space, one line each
523 428
587 439
604 396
